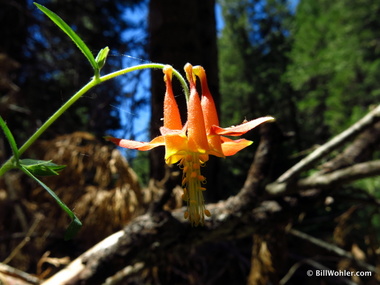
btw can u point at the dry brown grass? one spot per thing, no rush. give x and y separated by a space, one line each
97 184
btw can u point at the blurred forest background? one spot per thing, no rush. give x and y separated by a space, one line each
313 65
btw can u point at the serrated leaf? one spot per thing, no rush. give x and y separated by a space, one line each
101 57
75 224
73 36
41 167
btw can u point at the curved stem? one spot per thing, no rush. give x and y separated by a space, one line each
145 66
9 164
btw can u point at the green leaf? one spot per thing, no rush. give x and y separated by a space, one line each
73 228
41 167
75 224
10 138
73 36
101 57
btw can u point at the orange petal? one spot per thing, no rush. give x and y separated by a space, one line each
241 129
172 118
231 147
215 145
143 146
196 130
210 114
208 105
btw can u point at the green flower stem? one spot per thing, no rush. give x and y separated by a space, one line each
7 166
11 163
145 66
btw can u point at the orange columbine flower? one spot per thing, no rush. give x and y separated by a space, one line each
190 144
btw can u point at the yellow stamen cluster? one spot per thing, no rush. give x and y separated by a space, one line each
192 189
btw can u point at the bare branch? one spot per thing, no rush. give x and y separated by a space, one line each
328 180
259 170
20 276
359 150
334 143
342 176
71 273
286 182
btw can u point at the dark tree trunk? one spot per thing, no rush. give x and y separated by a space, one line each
181 32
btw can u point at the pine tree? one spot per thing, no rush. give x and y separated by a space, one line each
253 57
335 63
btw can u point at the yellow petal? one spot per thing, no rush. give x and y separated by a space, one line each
175 147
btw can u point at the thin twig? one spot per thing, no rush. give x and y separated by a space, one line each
332 248
314 264
25 240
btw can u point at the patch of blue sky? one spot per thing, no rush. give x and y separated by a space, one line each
219 18
136 85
